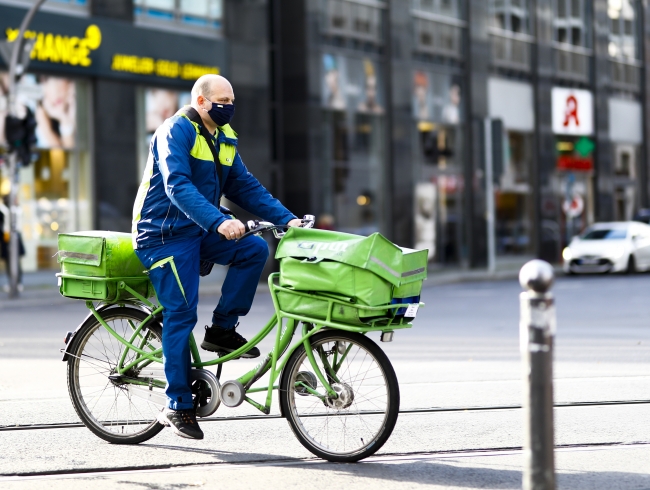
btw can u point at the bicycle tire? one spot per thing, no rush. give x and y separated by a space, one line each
81 351
290 396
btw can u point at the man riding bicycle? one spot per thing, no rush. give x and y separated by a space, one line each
178 224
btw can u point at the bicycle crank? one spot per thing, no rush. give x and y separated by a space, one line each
207 390
203 382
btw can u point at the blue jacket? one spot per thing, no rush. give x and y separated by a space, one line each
179 193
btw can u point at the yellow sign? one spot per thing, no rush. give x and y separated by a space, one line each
69 50
161 68
564 146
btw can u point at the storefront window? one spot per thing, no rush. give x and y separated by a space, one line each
154 106
353 124
439 182
513 196
55 192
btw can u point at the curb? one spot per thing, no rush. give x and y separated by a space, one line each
37 292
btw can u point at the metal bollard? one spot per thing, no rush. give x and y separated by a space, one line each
536 334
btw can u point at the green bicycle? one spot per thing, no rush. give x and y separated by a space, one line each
336 387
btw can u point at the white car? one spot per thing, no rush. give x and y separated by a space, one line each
620 246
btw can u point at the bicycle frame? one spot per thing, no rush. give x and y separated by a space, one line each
286 325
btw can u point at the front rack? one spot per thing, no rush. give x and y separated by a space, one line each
384 323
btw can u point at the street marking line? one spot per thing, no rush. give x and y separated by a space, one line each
76 425
387 458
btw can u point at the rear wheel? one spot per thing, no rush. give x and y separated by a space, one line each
112 409
356 423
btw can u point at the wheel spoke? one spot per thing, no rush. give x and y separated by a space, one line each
352 423
105 402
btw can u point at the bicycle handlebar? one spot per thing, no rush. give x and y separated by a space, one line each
255 227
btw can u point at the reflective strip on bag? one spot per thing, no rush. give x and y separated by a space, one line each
77 255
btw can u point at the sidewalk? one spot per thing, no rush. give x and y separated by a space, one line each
44 283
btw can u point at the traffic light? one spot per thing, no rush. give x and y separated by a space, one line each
21 136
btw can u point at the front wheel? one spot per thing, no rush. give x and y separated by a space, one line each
359 420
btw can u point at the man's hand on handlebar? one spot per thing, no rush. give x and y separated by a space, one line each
295 222
232 229
235 230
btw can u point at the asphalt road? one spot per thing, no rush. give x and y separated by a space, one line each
460 379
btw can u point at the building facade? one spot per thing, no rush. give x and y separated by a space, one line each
467 127
390 112
102 76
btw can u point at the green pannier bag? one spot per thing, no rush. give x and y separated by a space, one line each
94 262
359 270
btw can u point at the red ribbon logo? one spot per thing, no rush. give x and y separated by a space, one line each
571 111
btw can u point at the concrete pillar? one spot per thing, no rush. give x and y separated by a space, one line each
544 163
603 164
478 55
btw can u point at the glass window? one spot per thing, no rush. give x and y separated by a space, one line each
204 14
438 196
513 197
622 29
447 8
605 234
353 130
510 15
70 2
55 192
73 4
353 19
154 106
571 23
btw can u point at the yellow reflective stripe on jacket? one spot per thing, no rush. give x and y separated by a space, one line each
139 200
170 261
227 151
201 150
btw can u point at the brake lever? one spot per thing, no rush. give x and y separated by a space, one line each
260 227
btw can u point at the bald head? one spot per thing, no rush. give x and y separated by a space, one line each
208 89
212 87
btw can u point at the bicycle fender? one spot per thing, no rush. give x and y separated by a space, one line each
89 317
65 350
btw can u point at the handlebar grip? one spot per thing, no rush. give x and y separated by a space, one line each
247 227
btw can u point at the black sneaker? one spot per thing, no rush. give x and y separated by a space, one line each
218 339
182 422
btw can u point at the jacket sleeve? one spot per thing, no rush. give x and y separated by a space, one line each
244 189
174 142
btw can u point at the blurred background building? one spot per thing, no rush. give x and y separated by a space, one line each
372 114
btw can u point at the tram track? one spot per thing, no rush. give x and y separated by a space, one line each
495 408
396 457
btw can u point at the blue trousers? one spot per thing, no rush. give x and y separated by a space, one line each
176 282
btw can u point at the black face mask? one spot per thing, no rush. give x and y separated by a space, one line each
221 114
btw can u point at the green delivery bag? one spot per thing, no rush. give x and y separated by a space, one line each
94 262
361 270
